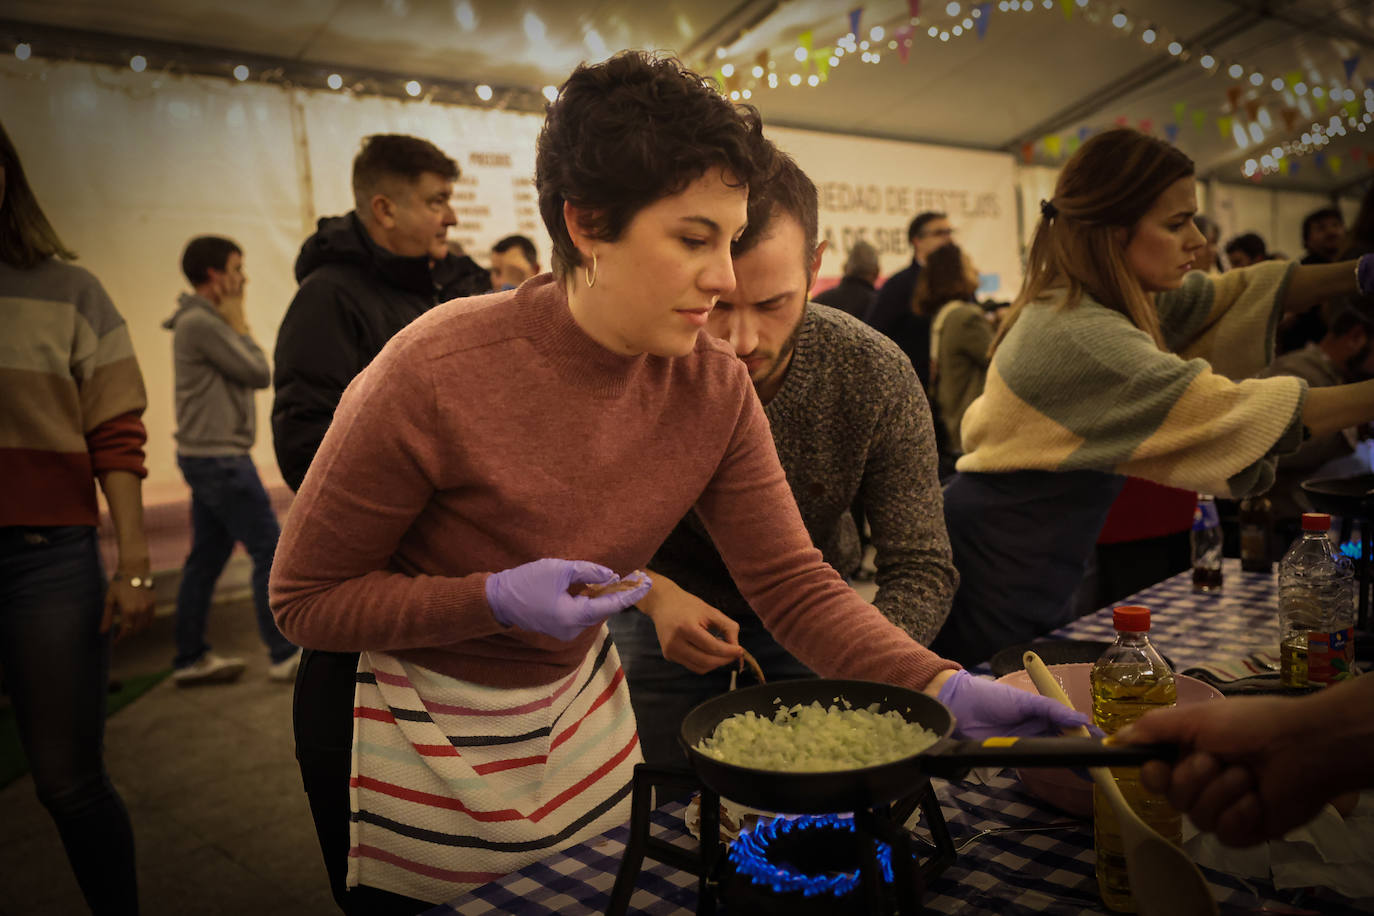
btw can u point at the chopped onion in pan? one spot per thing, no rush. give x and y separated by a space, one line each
814 739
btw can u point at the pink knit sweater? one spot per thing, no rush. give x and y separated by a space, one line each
493 431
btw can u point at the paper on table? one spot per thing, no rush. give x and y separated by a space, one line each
1331 852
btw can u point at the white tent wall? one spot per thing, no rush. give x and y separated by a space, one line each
871 189
128 175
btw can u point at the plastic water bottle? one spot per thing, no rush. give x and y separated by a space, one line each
1129 680
1206 540
1316 609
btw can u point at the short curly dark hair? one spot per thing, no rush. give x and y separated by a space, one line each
630 131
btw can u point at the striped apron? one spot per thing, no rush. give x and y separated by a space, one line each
455 784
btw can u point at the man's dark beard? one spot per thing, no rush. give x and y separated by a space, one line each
784 352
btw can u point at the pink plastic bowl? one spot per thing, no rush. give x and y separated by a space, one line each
1063 788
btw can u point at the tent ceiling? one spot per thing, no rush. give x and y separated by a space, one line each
1036 76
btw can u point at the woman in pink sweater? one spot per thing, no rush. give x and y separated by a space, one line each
580 416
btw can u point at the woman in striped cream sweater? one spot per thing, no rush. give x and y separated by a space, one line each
1117 359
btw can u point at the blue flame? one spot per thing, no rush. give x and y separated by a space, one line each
749 853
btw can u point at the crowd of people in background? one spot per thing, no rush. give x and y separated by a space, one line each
453 429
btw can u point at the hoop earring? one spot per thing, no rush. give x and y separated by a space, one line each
590 274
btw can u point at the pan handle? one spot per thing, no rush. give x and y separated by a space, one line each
952 756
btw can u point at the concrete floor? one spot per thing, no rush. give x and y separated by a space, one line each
209 775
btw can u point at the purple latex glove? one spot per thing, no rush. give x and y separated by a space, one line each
984 708
1364 274
535 596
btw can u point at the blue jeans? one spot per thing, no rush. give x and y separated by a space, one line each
56 666
663 692
228 506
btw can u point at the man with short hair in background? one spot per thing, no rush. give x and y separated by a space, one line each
364 276
1324 237
849 421
513 261
854 293
218 366
891 312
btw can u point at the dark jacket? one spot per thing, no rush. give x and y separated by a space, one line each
852 294
353 297
891 314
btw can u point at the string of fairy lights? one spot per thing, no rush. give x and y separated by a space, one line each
1262 112
1243 112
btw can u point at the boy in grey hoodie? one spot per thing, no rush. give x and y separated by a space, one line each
218 367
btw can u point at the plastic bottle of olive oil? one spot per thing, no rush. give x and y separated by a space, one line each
1130 679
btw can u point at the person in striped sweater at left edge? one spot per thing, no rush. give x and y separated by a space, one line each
71 398
579 417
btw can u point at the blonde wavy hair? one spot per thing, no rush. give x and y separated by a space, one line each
1107 186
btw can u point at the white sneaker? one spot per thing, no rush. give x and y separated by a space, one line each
285 669
209 669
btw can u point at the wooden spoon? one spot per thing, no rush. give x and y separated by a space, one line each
1164 881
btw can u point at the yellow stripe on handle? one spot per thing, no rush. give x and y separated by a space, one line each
999 742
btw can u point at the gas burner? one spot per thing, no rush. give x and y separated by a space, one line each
793 866
815 855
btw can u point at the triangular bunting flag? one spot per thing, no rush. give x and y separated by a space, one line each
1053 145
1320 159
821 59
1321 102
1351 109
1292 78
1027 152
981 23
1350 64
805 39
854 16
1224 125
1233 97
1171 131
1073 145
915 7
1067 7
1290 118
1199 119
1356 153
1293 169
1147 126
762 59
1252 108
1122 121
1283 166
1180 108
1083 133
1335 165
904 42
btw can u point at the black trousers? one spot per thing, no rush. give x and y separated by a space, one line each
322 712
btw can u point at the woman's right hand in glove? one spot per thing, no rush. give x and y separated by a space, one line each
536 596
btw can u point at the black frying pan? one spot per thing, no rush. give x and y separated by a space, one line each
850 790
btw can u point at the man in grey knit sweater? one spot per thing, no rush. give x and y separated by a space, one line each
849 420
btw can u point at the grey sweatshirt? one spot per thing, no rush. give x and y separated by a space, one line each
217 371
850 420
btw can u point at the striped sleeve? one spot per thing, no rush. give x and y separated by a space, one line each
109 384
1082 389
1228 319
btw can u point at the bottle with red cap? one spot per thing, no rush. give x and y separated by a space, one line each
1129 680
1316 609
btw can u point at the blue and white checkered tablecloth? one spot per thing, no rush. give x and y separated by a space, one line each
1025 868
